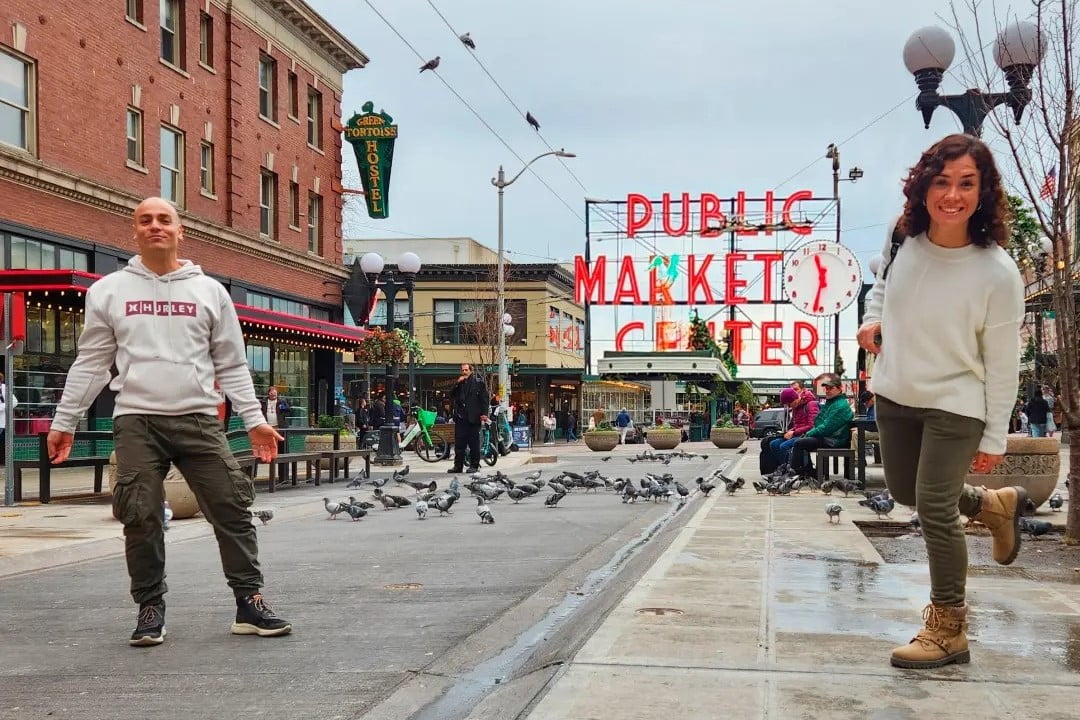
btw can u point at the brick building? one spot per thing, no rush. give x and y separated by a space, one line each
229 108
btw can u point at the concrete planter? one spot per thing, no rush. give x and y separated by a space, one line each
1031 463
320 443
601 440
663 438
727 438
177 492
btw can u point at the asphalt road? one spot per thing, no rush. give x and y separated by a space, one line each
63 631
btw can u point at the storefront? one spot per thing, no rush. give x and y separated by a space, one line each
294 353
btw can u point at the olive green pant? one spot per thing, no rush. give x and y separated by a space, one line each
196 444
927 454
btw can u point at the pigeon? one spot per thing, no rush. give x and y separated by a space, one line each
467 41
333 508
1034 528
880 504
528 118
484 512
833 510
356 481
760 486
264 515
418 485
444 503
554 499
1056 501
605 458
167 516
421 509
740 451
377 482
681 489
516 494
558 487
430 64
915 522
401 474
533 476
705 487
355 512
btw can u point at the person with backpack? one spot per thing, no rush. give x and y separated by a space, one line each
804 411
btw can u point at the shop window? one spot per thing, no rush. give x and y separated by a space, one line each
28 254
291 372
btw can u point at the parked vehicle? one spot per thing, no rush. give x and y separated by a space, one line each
773 420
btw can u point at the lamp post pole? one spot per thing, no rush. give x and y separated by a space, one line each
833 153
500 182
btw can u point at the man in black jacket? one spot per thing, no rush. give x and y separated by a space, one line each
1037 410
469 398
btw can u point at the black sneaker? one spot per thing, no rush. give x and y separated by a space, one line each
473 470
454 470
254 616
150 627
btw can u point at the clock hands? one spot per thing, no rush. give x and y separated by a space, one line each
822 283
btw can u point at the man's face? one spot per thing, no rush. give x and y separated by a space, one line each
832 391
272 394
157 227
466 370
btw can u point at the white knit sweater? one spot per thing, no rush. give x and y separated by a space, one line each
950 320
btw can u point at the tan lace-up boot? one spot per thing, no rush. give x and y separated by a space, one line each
1000 511
943 640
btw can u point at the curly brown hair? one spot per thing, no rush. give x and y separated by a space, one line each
989 224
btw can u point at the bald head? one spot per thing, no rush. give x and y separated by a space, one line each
158 233
156 206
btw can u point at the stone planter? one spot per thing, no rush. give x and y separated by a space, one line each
181 499
1032 463
601 440
663 439
321 443
727 438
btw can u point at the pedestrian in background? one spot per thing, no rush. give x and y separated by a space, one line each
944 320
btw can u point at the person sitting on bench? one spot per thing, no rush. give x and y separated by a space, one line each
830 427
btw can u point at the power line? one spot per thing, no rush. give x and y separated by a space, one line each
474 112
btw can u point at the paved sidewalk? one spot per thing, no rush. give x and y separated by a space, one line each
762 609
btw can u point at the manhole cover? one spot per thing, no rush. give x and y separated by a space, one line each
402 586
658 611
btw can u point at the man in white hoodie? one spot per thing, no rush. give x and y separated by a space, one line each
171 330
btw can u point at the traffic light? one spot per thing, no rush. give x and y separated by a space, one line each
514 366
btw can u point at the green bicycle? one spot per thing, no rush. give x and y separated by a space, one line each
430 448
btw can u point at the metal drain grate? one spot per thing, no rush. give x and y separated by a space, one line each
658 611
402 586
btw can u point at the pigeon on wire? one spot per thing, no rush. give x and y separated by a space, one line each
1056 501
264 516
484 512
421 509
431 64
467 41
833 510
167 516
529 119
334 508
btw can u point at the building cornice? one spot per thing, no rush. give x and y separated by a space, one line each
319 32
32 173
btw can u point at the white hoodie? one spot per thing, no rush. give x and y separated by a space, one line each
170 336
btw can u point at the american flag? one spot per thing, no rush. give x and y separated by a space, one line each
1048 186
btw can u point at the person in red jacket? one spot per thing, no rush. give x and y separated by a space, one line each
804 409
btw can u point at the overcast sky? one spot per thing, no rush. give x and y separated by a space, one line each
685 95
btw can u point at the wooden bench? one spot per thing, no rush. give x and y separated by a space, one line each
45 467
344 454
822 464
289 461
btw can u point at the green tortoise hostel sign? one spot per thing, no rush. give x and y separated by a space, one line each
372 136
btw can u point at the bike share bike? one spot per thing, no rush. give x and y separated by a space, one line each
431 447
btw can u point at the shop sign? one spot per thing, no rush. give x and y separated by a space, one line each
372 136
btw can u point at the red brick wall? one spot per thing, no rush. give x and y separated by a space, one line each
88 57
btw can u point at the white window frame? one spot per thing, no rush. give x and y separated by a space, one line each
206 169
314 119
206 39
268 204
268 92
137 139
28 111
314 223
177 171
176 42
293 88
294 205
133 11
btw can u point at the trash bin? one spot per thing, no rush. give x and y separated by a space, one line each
699 433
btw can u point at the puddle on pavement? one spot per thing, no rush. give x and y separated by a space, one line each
40 533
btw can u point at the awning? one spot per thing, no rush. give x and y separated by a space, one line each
65 288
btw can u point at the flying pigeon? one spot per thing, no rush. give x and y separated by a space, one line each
430 64
1056 501
264 515
421 509
833 510
167 516
484 512
467 41
528 118
333 508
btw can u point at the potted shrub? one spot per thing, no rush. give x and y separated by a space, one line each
321 443
663 437
602 438
726 434
1030 462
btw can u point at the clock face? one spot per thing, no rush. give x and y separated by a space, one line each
822 277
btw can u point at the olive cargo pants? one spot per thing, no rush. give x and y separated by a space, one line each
145 445
927 454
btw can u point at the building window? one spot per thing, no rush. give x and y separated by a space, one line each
206 40
294 205
172 164
314 223
27 254
277 304
206 167
294 96
267 204
134 136
474 322
172 32
16 101
134 11
314 118
268 87
401 314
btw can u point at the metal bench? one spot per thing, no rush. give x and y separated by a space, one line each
288 463
45 467
822 464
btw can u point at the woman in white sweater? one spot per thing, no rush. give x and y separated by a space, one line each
944 318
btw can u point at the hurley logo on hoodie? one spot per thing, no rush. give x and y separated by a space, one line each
149 307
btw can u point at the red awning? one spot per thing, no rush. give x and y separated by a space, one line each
256 322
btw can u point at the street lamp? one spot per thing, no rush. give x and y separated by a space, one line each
929 52
390 282
832 152
501 182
